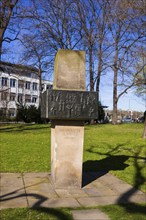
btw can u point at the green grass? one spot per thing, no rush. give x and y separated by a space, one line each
30 214
116 149
25 148
123 212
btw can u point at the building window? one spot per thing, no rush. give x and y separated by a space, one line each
20 98
12 82
12 96
27 85
11 112
20 84
4 81
34 99
4 96
34 86
3 112
27 98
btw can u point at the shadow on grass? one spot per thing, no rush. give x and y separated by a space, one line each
103 166
95 169
112 162
38 205
139 179
129 212
24 127
54 213
134 208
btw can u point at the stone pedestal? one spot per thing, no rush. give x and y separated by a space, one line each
67 136
67 152
69 70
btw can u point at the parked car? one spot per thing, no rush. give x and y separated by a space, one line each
127 120
141 120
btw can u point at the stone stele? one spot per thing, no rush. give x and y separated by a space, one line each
67 136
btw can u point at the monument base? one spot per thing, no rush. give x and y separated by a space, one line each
66 153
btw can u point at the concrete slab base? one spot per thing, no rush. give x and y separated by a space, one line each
93 214
36 190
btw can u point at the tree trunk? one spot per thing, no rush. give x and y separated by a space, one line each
114 118
6 13
98 78
1 40
144 132
115 98
91 69
91 75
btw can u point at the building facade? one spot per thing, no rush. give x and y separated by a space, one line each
19 85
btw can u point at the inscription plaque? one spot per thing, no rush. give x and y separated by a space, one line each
66 104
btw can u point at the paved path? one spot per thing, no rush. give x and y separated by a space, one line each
36 190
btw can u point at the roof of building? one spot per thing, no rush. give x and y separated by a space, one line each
11 68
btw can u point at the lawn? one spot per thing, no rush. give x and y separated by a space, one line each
31 214
117 149
25 148
122 212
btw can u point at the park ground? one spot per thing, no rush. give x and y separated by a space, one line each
118 149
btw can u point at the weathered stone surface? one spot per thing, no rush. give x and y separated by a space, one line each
38 185
94 201
69 70
61 202
93 214
101 192
67 152
36 190
12 191
67 136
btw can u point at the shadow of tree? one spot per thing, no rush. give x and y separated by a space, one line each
112 161
95 169
106 164
23 127
139 179
55 213
38 205
117 162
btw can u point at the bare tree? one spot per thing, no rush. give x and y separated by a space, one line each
100 12
93 21
140 83
36 55
55 22
126 35
86 22
7 7
53 27
140 80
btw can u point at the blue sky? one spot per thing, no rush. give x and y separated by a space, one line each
128 101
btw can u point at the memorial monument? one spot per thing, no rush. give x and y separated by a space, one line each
68 105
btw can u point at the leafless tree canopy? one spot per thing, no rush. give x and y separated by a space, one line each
111 31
